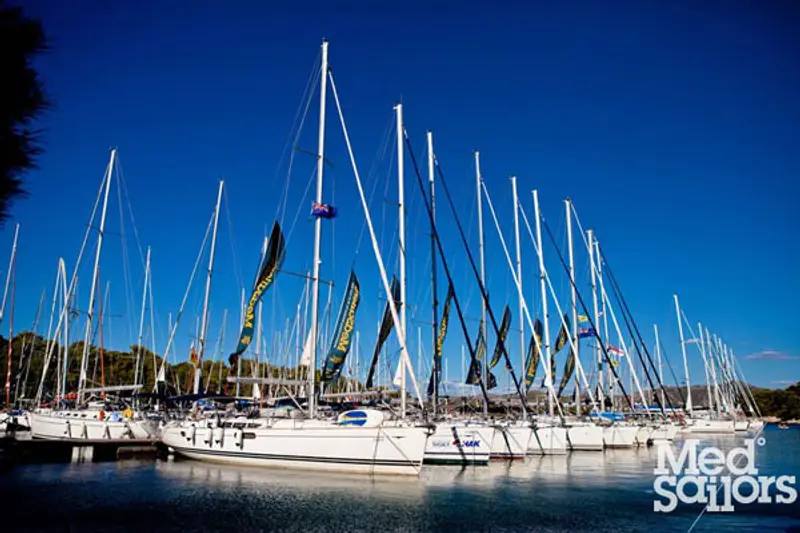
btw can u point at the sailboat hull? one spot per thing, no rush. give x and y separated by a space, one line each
664 433
619 436
511 442
459 444
549 440
585 438
84 425
643 435
306 445
702 426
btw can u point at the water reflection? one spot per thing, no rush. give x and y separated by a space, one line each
592 492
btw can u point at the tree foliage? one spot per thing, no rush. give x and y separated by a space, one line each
21 40
782 403
29 352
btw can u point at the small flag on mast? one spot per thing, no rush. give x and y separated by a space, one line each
322 210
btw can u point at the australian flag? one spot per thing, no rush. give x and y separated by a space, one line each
322 210
584 333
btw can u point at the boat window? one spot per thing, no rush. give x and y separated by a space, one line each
248 435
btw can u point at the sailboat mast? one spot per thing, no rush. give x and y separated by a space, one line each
600 384
478 182
141 318
660 368
12 271
66 310
257 392
8 274
519 286
93 291
434 293
317 234
547 355
685 360
204 325
574 296
401 216
239 360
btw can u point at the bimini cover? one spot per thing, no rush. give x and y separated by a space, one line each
361 417
617 417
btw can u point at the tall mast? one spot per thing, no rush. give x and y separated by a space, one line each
605 308
598 351
204 326
685 360
519 285
574 295
434 298
66 305
312 367
257 392
545 318
401 214
141 318
12 271
705 365
660 368
484 362
8 274
239 361
93 291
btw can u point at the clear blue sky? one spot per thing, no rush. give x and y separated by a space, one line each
673 126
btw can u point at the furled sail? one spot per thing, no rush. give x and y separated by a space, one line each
305 357
437 357
273 259
569 368
563 335
386 328
343 334
498 348
532 360
474 374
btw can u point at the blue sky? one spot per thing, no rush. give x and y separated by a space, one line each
672 126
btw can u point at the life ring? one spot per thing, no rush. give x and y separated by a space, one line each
127 413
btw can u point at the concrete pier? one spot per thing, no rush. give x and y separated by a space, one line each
19 449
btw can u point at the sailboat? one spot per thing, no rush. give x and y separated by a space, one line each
715 420
357 441
87 421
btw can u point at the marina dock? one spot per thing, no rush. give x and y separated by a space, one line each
21 449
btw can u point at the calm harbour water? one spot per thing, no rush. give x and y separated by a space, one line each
592 492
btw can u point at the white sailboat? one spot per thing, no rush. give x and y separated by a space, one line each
86 422
358 441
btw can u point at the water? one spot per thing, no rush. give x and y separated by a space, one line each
590 492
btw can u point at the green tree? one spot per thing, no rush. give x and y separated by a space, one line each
22 103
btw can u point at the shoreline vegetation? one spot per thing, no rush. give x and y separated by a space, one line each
776 405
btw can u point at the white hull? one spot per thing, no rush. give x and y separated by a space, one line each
587 437
83 425
549 440
664 433
18 421
643 435
619 436
459 443
701 426
741 425
511 442
303 444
